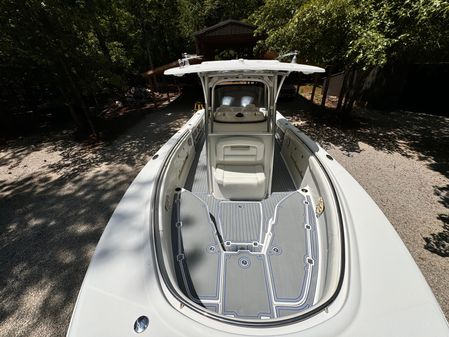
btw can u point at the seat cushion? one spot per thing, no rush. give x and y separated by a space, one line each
241 182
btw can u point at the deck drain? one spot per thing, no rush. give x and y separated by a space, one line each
179 224
180 257
276 251
255 243
227 243
244 262
211 249
308 227
304 190
310 261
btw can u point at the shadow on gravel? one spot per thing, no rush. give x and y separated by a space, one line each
408 133
438 243
50 222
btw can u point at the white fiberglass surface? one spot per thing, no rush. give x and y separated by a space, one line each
243 66
121 284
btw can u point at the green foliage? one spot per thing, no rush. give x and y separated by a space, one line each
346 32
273 16
198 14
215 11
74 51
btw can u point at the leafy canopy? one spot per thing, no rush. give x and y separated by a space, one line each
368 32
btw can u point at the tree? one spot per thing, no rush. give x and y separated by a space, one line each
348 32
198 14
73 52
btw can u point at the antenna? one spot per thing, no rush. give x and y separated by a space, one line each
293 53
184 60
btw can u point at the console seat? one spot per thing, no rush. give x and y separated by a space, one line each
241 182
248 114
239 172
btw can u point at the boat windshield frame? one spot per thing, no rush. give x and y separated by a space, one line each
271 72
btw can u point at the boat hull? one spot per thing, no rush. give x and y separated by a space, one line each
382 293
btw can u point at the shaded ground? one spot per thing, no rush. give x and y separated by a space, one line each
402 161
57 196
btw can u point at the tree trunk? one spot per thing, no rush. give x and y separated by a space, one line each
349 91
357 83
342 91
78 123
315 83
325 88
346 90
78 97
102 43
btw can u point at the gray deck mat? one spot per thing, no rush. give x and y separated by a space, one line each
241 221
197 179
288 249
200 248
246 292
282 185
268 207
281 182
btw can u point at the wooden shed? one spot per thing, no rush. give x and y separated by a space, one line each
227 35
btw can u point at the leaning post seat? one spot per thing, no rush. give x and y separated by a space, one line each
239 171
247 114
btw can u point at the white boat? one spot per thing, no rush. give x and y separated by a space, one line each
242 225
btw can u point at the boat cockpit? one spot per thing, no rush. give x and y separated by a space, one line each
247 224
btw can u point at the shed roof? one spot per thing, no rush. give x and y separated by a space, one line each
221 28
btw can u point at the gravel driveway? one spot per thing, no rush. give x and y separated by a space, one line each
402 160
57 196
